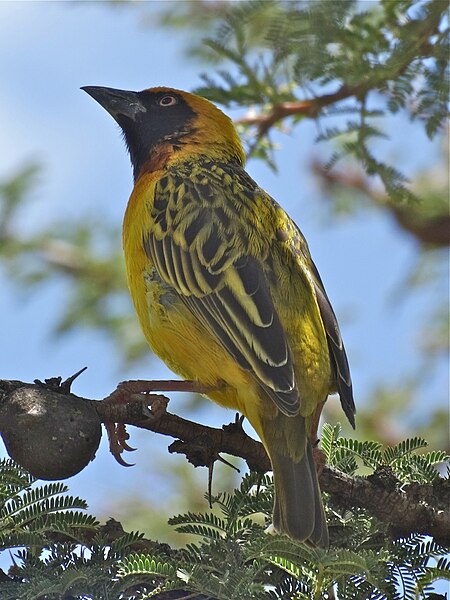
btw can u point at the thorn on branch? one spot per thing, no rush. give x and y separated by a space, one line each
57 384
67 384
201 452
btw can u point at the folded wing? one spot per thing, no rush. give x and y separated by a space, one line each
203 256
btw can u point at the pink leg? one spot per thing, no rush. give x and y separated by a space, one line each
133 389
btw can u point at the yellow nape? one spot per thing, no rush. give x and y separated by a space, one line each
211 129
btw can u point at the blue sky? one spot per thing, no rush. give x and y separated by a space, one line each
49 50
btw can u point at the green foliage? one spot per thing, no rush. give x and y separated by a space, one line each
403 460
28 515
61 552
379 57
80 564
236 558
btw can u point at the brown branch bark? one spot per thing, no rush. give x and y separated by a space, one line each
306 108
429 231
406 508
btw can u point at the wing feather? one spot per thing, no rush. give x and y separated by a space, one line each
337 354
224 287
336 347
178 265
199 247
251 346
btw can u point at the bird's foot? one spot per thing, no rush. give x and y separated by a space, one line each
141 390
117 433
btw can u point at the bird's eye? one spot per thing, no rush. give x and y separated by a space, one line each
168 101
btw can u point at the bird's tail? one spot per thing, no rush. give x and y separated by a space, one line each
298 510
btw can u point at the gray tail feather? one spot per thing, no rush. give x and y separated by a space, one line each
298 510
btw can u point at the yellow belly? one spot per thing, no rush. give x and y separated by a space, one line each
189 350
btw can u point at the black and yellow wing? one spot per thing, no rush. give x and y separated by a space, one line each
200 247
336 348
203 221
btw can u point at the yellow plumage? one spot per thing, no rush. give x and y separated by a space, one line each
225 288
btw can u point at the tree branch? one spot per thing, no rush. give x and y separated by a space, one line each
406 508
428 230
301 108
395 66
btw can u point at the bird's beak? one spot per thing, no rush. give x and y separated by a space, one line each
117 102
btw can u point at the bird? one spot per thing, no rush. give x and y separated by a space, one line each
225 288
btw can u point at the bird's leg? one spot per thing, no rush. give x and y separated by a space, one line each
318 454
141 386
141 390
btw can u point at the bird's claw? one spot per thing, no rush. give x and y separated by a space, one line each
120 460
118 436
127 447
123 436
153 407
